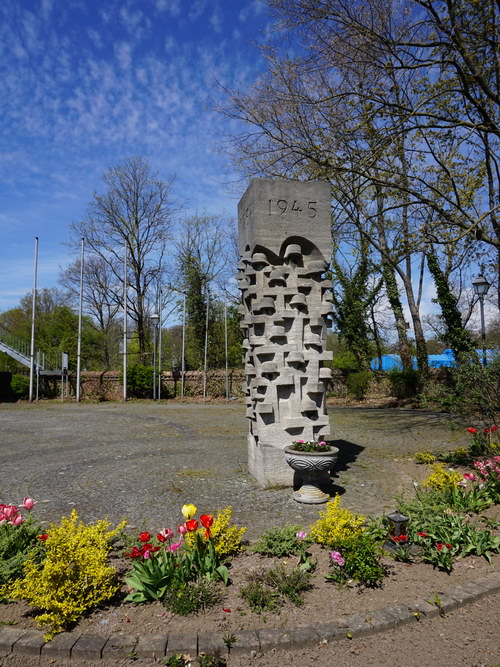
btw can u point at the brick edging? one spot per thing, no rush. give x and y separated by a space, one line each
75 645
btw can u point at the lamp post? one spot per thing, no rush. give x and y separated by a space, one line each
481 287
155 318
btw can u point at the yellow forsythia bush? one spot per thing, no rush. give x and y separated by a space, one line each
441 478
226 537
336 524
75 575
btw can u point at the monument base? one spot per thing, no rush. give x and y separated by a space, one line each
266 464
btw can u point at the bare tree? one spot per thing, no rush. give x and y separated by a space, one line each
101 299
134 215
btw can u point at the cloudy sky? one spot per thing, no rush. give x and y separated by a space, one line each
86 83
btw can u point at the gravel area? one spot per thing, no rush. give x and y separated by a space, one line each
143 461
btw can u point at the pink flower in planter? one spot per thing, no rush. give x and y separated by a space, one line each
174 546
182 529
470 476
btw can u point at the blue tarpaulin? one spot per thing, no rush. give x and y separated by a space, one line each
444 360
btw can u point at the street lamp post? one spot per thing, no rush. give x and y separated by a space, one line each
481 287
155 318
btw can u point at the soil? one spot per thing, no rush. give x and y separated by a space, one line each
324 601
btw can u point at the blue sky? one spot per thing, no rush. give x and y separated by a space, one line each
86 83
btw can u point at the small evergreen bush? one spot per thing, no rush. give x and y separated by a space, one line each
20 385
404 384
358 383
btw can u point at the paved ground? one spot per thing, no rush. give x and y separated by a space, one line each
142 461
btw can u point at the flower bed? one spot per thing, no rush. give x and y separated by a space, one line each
105 580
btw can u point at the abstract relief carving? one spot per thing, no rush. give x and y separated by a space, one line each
285 304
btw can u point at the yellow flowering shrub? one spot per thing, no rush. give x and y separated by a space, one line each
226 537
424 457
441 478
336 524
75 575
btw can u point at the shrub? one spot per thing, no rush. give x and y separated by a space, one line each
74 576
192 597
358 383
441 478
345 361
357 558
226 537
139 381
268 589
336 524
278 542
20 386
404 384
424 457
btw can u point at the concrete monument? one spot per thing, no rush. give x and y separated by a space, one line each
284 242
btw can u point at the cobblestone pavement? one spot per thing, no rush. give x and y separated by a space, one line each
143 461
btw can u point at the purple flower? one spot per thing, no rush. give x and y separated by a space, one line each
301 535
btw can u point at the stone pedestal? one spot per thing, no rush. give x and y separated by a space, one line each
284 241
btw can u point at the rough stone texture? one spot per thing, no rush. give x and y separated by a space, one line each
89 647
182 643
246 641
211 642
8 638
284 239
151 646
119 645
277 639
30 643
61 645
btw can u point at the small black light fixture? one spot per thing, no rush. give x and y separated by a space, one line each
398 528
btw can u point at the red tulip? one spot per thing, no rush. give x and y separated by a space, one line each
44 536
494 428
206 520
192 525
472 430
145 537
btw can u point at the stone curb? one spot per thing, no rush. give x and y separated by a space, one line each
118 645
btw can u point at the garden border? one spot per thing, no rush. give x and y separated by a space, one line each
75 645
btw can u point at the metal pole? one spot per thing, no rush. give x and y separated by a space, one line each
483 329
33 312
80 310
225 348
125 305
154 362
206 351
37 372
160 313
183 363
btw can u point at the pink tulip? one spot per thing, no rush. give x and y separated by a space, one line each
337 558
301 535
175 546
166 534
28 504
17 521
182 529
10 511
470 476
146 554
